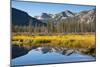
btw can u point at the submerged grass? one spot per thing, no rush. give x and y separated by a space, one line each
69 41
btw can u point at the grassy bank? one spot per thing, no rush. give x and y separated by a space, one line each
69 41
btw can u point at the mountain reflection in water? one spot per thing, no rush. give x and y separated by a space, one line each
45 55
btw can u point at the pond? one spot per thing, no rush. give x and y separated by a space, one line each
45 55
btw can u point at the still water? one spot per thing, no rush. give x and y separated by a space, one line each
40 56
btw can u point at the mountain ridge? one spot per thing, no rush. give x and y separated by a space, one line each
85 15
20 17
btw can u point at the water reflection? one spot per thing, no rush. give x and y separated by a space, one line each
61 50
44 55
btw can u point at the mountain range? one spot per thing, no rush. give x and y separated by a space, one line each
22 18
83 16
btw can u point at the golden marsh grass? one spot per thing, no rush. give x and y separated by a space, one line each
69 41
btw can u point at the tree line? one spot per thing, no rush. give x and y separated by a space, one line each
62 26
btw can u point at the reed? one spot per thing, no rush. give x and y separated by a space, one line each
69 41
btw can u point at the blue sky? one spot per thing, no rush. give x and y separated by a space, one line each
35 9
